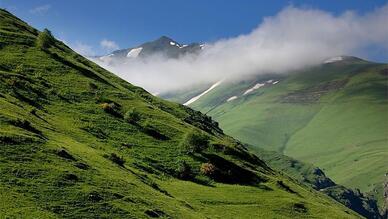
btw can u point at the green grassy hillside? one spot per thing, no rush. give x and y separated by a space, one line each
333 115
78 142
364 204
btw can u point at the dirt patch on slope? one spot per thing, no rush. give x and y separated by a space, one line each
314 93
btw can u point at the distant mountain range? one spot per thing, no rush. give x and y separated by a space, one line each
164 46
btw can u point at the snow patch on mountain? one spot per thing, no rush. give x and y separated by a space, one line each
192 100
107 58
134 52
231 98
177 45
334 59
257 86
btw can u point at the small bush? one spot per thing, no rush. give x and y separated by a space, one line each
195 142
107 107
155 213
45 39
111 108
92 86
100 98
21 68
282 185
203 180
26 125
95 196
96 131
208 169
70 177
64 154
184 171
299 207
82 166
33 112
15 139
132 116
115 159
152 131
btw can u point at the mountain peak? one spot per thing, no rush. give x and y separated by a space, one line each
163 45
342 58
164 38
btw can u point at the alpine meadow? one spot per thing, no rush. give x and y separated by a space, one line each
265 111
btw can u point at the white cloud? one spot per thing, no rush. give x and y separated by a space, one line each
42 9
109 45
82 48
294 38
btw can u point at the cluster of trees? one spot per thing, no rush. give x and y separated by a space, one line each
45 39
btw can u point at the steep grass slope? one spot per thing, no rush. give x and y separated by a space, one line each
362 203
334 115
78 142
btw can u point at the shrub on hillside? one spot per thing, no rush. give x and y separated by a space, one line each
194 142
21 68
115 159
92 86
64 154
100 98
132 116
26 125
111 108
151 130
107 107
45 39
96 131
184 171
208 169
14 139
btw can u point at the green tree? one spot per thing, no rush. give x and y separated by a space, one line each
45 39
184 170
195 142
132 116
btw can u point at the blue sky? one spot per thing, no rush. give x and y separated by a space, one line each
122 24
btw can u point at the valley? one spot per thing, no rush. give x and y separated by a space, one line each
333 116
